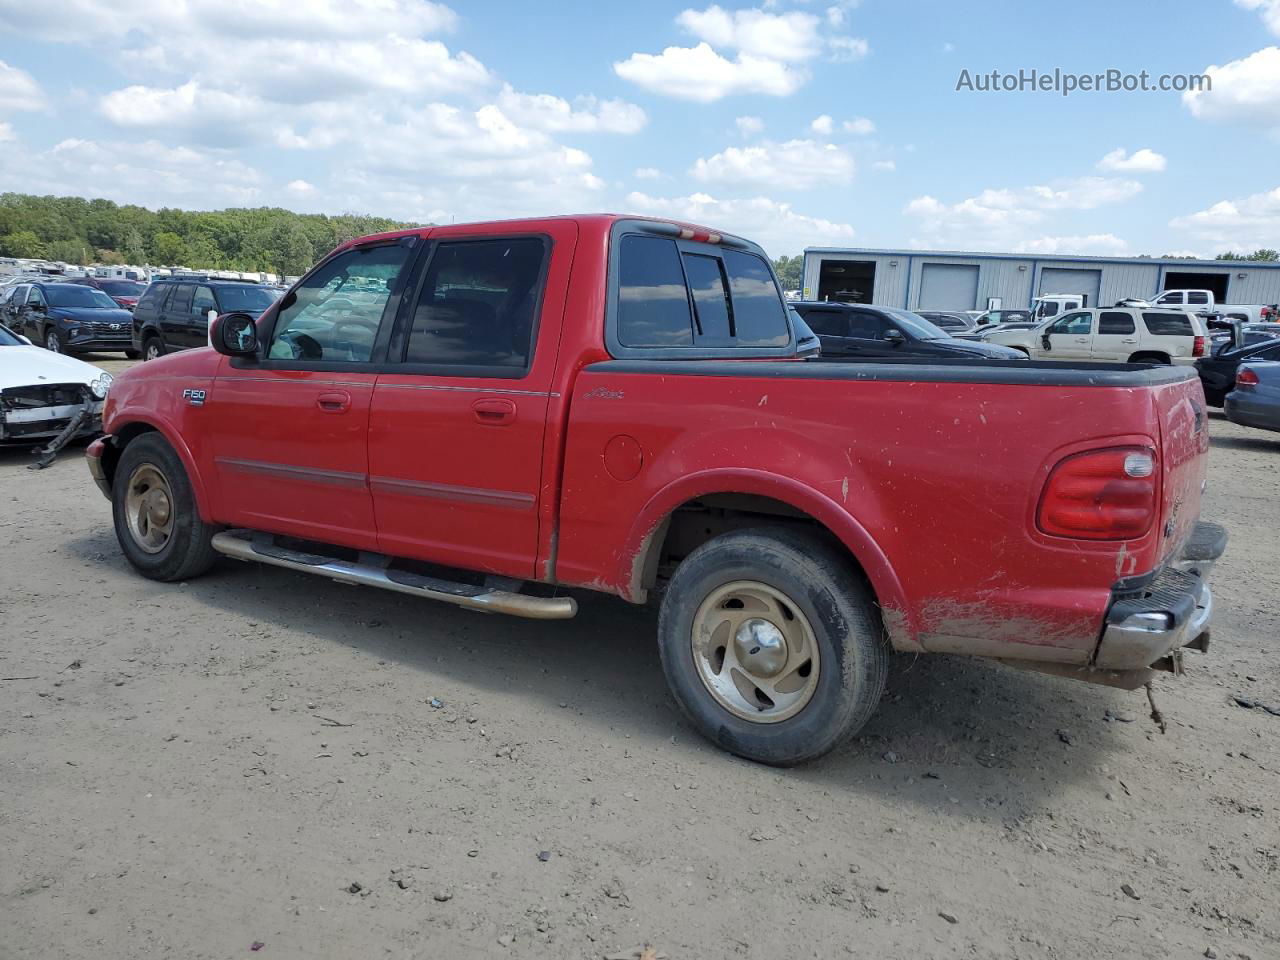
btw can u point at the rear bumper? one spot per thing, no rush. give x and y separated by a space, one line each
1172 612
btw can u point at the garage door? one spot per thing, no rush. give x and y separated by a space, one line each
1060 280
948 286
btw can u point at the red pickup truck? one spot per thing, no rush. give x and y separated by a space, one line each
487 414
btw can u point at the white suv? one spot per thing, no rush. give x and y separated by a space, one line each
1112 335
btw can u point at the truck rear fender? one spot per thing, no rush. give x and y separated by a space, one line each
642 550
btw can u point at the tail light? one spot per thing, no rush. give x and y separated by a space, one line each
1100 495
1198 349
1246 377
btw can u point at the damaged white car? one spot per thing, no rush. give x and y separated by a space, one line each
44 395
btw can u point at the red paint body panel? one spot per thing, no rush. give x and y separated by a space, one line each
932 486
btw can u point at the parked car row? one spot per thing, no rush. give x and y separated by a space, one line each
95 314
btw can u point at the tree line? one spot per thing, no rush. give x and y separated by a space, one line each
271 239
80 231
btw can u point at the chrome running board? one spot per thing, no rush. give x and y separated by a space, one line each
246 545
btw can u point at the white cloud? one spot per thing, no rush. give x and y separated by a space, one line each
796 165
1003 218
542 111
770 52
145 172
300 187
1243 91
1269 9
89 21
648 173
948 47
771 223
18 89
887 165
1093 244
6 133
702 75
1140 161
848 48
1240 225
749 126
859 126
792 36
822 125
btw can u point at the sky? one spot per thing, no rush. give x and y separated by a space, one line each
820 123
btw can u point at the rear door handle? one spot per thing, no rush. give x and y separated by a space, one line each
1129 340
335 402
494 412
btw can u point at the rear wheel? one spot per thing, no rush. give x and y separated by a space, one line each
153 348
154 509
771 645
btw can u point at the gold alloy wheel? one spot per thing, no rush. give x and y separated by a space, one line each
755 651
148 508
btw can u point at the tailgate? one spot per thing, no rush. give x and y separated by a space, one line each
1184 454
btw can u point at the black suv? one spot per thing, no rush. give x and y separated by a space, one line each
858 331
173 313
67 317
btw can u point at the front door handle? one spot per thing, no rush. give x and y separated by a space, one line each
494 412
335 402
1082 339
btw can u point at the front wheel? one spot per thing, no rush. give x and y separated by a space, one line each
771 645
53 341
155 514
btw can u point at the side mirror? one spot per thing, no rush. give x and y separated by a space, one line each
895 337
234 335
24 340
1046 342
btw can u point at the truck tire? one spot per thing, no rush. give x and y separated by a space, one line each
1158 358
152 348
154 509
771 645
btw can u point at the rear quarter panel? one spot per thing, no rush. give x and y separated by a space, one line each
933 487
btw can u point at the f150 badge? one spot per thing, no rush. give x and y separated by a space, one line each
194 397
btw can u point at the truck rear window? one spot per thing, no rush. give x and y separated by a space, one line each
670 299
1168 324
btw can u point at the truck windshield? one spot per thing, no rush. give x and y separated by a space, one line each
914 324
246 299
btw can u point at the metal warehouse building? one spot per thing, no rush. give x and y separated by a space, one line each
952 280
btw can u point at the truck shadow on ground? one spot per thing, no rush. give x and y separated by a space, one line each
977 730
1262 443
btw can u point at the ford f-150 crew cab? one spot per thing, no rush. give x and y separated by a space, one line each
488 414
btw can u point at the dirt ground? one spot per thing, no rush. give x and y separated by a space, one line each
208 770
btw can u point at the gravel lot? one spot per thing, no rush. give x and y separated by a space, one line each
190 770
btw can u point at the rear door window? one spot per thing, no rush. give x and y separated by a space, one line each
1197 297
653 302
828 323
180 302
1168 324
1115 322
478 304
